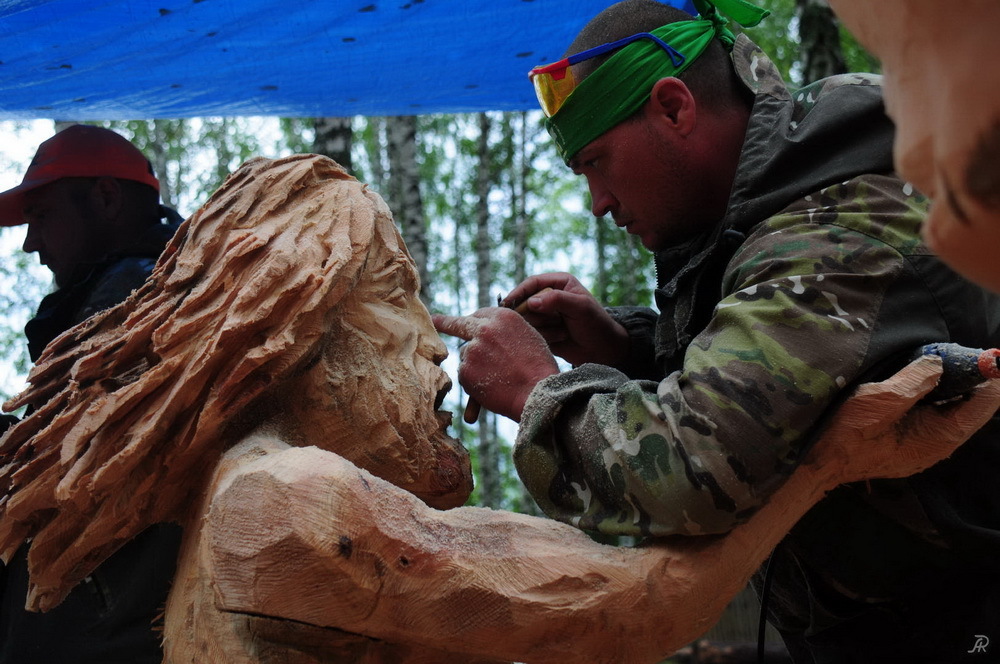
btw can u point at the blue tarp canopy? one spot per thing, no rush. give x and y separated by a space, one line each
143 59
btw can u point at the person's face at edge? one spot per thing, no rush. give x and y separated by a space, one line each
63 228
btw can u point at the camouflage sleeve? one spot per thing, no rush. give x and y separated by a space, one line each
640 323
805 300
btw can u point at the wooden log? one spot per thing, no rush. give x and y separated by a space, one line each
197 632
349 551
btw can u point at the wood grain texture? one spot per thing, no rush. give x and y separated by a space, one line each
288 300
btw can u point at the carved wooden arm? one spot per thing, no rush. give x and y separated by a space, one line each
348 550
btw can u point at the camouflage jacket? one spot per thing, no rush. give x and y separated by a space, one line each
816 279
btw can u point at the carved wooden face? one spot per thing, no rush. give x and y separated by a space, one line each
372 397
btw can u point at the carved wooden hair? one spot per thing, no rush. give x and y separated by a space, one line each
131 405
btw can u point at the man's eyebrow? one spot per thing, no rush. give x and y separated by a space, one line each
580 158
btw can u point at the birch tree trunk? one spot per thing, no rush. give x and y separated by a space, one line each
375 144
819 36
167 133
334 139
404 193
489 458
519 194
521 167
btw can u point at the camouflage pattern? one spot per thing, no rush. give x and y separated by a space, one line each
698 452
757 71
790 326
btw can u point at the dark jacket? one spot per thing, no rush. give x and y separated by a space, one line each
115 614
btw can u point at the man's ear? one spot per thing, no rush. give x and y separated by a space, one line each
107 197
671 100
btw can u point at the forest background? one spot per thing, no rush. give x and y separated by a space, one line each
482 201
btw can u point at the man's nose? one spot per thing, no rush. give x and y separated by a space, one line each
601 199
32 242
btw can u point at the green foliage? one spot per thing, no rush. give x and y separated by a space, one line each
512 496
168 144
23 284
192 157
778 36
296 134
858 59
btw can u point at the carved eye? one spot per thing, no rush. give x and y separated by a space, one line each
396 297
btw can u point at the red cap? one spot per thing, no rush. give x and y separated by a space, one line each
78 151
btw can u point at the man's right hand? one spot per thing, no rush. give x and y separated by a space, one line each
570 319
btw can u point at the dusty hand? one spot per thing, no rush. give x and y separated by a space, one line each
503 360
572 322
883 430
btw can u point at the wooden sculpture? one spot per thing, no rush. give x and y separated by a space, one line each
286 307
273 389
942 89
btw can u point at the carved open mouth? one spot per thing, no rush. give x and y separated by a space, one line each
444 417
441 394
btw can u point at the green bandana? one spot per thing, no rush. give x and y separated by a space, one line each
620 86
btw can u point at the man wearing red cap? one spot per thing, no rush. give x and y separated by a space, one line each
92 206
91 203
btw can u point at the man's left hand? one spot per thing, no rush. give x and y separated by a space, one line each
503 359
